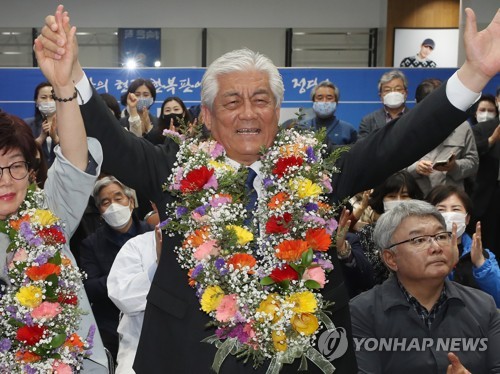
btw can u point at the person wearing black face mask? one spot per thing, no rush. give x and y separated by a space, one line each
174 116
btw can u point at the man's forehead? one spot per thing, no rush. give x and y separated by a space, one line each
393 82
418 225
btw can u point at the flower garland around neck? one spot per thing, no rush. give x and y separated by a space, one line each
260 285
39 314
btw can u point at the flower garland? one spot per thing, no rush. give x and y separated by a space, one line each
39 313
260 284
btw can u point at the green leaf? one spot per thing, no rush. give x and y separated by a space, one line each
266 281
307 257
285 284
311 284
50 291
56 260
57 340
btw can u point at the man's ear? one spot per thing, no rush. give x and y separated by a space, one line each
389 258
207 117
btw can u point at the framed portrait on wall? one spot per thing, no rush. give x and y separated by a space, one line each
425 47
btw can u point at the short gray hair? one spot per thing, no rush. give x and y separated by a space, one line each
389 221
238 61
105 182
389 76
327 84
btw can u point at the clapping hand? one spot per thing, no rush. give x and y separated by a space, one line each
476 251
455 366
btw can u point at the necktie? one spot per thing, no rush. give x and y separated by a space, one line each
251 194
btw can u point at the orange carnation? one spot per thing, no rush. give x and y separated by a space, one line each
318 239
324 206
291 250
191 281
27 356
277 200
240 260
43 271
16 223
74 341
198 237
292 150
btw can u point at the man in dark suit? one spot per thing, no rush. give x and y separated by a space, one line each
241 97
393 91
486 195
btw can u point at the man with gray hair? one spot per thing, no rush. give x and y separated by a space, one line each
393 91
325 96
241 96
412 317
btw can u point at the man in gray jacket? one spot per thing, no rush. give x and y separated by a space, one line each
414 320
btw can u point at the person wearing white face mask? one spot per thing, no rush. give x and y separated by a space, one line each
393 91
115 202
43 124
325 97
140 96
477 266
486 108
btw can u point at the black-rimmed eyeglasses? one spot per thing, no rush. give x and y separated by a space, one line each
422 242
18 170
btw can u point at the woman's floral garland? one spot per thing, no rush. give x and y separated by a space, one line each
259 284
39 314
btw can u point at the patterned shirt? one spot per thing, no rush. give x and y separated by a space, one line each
426 316
415 62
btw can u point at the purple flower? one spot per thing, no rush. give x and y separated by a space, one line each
217 201
90 339
212 183
196 271
5 345
27 233
325 264
239 333
43 258
331 226
267 182
180 211
311 156
201 210
219 264
164 223
311 207
217 151
29 370
314 219
28 320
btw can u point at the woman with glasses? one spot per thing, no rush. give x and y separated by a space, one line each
477 267
44 233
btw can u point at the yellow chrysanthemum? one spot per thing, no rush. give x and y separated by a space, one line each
305 187
270 306
279 340
244 236
221 166
304 302
211 298
29 296
305 323
44 217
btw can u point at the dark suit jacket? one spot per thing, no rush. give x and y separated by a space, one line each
489 160
373 121
173 323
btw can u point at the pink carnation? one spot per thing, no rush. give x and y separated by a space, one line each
20 255
206 250
227 308
212 183
60 367
316 274
46 310
199 218
221 200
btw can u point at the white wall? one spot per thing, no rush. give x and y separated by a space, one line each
201 13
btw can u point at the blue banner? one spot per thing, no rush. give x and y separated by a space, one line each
358 87
143 46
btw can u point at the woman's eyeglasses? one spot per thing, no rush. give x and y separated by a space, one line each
18 170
